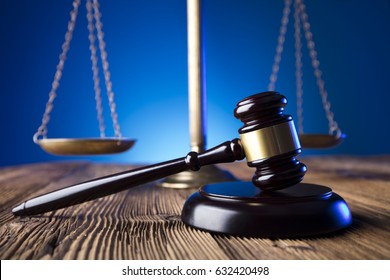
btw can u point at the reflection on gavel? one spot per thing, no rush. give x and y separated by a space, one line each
268 141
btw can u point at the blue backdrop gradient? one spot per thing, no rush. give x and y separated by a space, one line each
147 52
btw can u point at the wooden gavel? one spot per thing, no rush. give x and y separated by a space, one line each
268 140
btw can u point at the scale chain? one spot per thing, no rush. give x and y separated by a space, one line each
92 13
333 126
279 48
42 130
301 18
95 69
107 74
298 67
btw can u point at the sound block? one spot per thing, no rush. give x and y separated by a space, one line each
240 208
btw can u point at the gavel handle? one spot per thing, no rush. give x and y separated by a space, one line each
89 190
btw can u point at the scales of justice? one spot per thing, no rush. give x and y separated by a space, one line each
275 204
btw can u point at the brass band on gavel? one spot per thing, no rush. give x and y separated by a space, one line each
270 141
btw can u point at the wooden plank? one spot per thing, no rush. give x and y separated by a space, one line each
144 222
41 231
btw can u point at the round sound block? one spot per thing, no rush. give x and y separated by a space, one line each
240 208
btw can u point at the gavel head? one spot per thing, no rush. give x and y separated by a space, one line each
270 141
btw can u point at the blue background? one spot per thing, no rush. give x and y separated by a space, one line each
146 45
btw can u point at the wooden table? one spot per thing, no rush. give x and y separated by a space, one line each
144 223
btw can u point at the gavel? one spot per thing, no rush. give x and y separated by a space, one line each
268 140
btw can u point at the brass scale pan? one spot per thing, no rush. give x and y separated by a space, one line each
85 146
320 141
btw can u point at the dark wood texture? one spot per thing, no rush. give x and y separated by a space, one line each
144 222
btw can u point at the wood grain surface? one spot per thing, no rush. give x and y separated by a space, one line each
144 222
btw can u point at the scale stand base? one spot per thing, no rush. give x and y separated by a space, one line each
189 179
240 208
